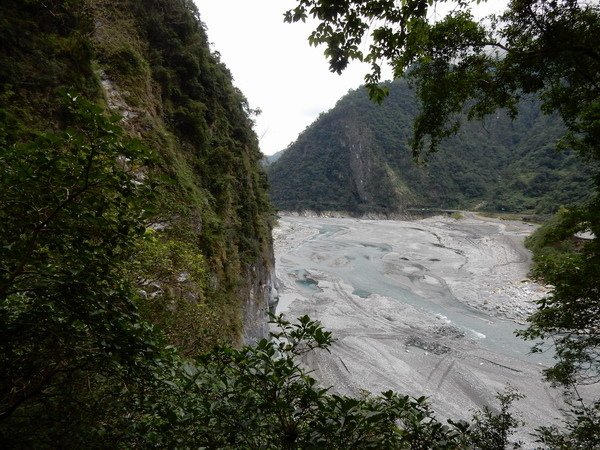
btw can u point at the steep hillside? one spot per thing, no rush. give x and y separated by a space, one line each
356 158
151 63
133 212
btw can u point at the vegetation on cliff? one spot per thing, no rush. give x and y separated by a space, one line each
133 209
566 255
152 65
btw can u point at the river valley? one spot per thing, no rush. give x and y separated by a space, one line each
423 307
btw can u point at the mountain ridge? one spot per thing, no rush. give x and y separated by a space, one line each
356 158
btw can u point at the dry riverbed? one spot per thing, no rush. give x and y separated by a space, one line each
423 307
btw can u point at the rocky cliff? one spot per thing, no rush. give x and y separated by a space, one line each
205 273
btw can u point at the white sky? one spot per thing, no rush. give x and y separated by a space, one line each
273 65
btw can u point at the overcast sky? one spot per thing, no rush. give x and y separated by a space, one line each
276 69
273 65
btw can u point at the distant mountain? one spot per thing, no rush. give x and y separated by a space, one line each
275 156
356 158
270 159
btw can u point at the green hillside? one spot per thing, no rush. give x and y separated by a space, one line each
134 215
356 158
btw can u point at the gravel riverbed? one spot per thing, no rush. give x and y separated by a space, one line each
423 307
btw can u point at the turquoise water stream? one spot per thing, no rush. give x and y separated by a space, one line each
363 268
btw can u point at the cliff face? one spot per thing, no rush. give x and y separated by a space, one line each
205 274
356 158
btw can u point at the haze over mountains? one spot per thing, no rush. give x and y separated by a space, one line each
355 158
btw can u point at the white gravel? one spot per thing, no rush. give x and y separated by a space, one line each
452 272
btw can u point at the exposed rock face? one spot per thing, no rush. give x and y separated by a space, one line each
361 161
261 302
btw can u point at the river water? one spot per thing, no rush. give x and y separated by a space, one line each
361 265
421 307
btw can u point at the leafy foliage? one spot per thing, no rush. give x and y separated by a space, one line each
569 316
492 430
262 397
71 209
462 66
458 63
580 432
43 49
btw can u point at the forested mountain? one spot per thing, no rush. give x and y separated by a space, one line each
356 158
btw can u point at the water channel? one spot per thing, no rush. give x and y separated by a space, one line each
363 268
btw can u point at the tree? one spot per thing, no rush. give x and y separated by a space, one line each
72 206
544 48
263 397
